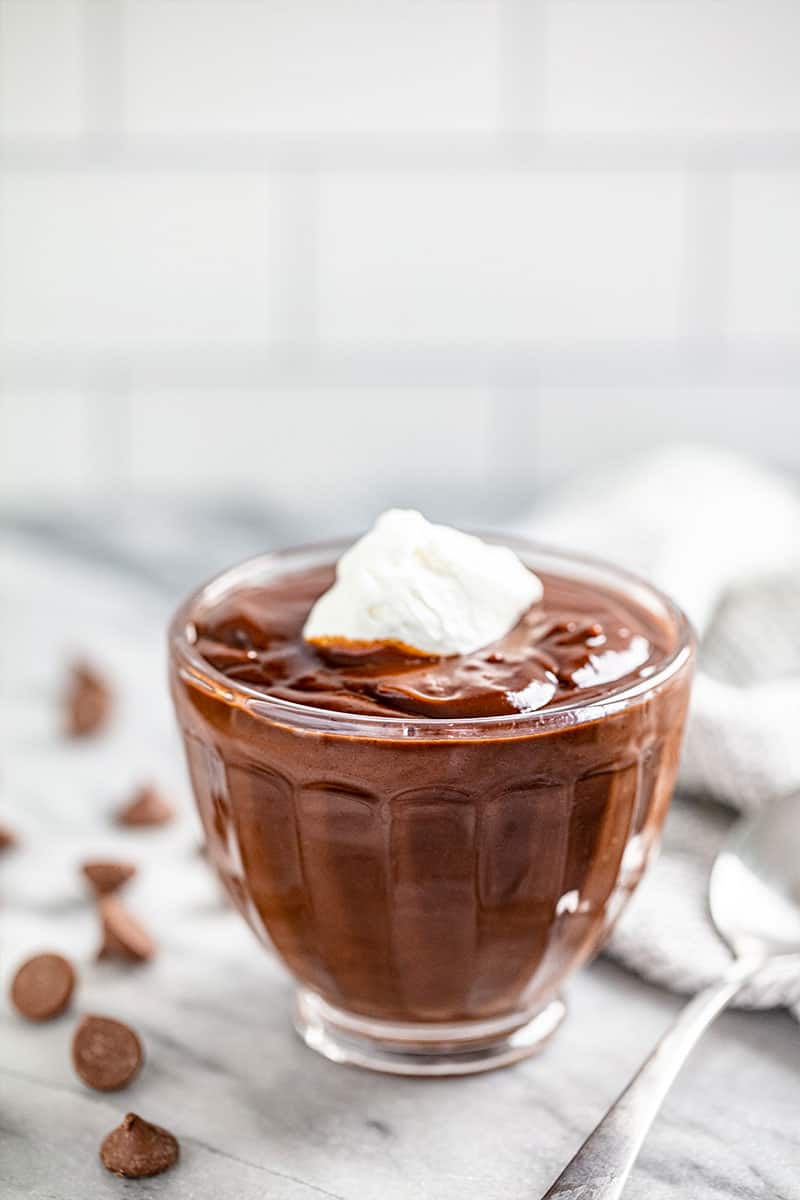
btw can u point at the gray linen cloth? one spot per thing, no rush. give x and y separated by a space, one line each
722 536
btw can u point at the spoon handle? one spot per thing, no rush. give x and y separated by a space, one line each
601 1167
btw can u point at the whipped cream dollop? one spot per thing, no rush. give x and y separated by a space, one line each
428 588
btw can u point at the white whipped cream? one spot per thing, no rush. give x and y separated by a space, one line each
429 587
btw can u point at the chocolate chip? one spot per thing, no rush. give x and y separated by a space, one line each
88 701
136 1149
43 986
146 807
105 1053
123 936
106 877
7 838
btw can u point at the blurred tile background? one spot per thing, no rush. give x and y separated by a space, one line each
361 251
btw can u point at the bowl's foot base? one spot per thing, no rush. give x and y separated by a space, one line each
398 1048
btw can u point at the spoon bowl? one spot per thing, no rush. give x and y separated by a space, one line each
754 897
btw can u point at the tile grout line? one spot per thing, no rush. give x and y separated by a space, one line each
522 64
294 236
256 365
511 445
512 441
103 86
706 269
513 149
108 433
106 387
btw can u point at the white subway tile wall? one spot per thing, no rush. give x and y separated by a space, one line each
94 260
434 251
468 258
296 448
624 420
692 67
41 69
765 256
214 67
44 437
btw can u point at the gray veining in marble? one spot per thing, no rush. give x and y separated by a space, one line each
258 1115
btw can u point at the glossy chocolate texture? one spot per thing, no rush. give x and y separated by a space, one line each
575 640
412 877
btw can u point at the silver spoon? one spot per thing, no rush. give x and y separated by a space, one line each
754 895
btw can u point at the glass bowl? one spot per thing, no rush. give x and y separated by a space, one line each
430 884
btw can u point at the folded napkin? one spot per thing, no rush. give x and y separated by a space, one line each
722 536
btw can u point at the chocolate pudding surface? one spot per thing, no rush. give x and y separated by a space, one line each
452 871
569 646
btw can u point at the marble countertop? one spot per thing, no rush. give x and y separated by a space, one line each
257 1114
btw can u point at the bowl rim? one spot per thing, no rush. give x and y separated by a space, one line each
196 670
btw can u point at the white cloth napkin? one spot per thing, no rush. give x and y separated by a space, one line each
722 536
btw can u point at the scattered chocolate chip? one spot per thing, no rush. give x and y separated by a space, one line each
7 838
105 1053
146 807
136 1149
106 877
88 701
123 936
43 986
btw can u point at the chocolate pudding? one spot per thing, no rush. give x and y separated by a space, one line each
574 642
429 843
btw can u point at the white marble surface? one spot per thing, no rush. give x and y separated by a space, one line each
257 1114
